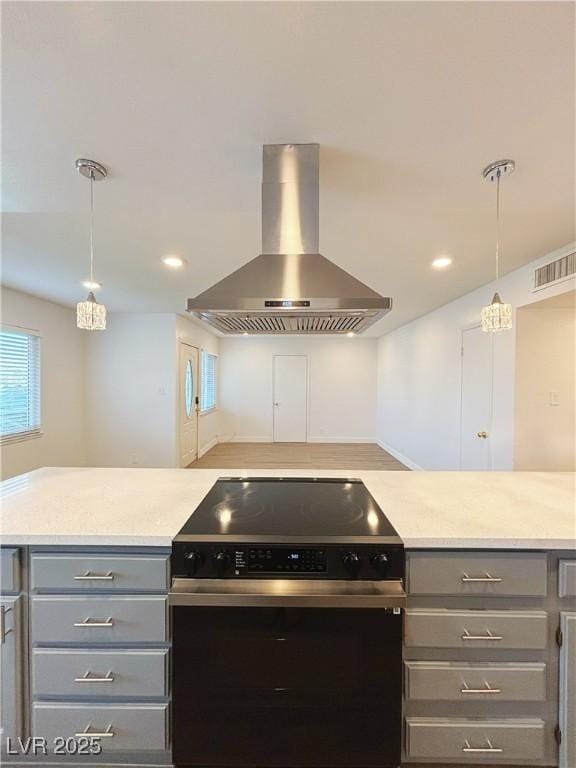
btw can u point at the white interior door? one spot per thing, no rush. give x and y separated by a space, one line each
188 404
476 415
290 398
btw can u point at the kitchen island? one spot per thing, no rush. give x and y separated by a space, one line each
489 630
147 507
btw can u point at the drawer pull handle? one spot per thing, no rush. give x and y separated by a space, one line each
486 689
107 734
486 579
97 624
88 679
88 576
487 636
478 750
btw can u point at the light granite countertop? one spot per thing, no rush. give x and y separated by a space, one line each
147 507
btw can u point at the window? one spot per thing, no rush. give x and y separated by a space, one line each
207 381
19 385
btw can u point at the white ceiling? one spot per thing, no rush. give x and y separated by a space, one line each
409 101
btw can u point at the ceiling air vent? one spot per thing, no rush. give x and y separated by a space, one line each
555 271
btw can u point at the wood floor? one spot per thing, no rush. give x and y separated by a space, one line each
297 456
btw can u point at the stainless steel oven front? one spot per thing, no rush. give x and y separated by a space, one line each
287 673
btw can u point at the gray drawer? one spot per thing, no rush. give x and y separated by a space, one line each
132 727
441 628
97 573
477 573
475 741
58 672
9 570
567 578
89 619
458 681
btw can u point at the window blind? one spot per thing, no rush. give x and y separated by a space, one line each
207 381
19 384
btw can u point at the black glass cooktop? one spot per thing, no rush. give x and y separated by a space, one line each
290 507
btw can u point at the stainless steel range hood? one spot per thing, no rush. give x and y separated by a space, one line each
290 288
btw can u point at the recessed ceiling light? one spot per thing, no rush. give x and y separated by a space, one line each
174 262
350 334
442 262
92 285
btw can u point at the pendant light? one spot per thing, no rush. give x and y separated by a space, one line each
90 315
497 316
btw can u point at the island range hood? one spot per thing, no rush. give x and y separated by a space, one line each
290 288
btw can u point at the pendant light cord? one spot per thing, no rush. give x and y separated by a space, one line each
92 226
498 174
491 410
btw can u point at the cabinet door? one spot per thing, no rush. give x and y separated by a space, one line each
10 668
568 690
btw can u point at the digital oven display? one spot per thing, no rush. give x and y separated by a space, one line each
282 560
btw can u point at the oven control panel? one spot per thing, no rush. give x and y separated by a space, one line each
248 561
280 560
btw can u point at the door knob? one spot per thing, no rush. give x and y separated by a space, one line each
483 434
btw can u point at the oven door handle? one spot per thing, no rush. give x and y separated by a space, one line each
287 593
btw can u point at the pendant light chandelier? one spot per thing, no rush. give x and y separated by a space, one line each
497 316
90 315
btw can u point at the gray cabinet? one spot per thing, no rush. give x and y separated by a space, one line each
99 619
74 673
11 667
441 628
9 570
479 662
55 572
482 574
480 742
118 727
99 637
567 578
568 690
476 681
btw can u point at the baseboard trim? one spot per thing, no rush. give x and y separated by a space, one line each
351 440
400 456
310 439
208 447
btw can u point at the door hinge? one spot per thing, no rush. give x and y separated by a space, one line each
197 400
558 735
559 637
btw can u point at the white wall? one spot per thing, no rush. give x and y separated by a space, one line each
131 392
209 424
342 386
62 441
419 367
545 435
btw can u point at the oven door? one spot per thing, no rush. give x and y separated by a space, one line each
290 683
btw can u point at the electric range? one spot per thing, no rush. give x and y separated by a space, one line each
288 528
287 598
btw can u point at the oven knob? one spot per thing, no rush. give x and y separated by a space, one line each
380 562
221 560
193 561
351 561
